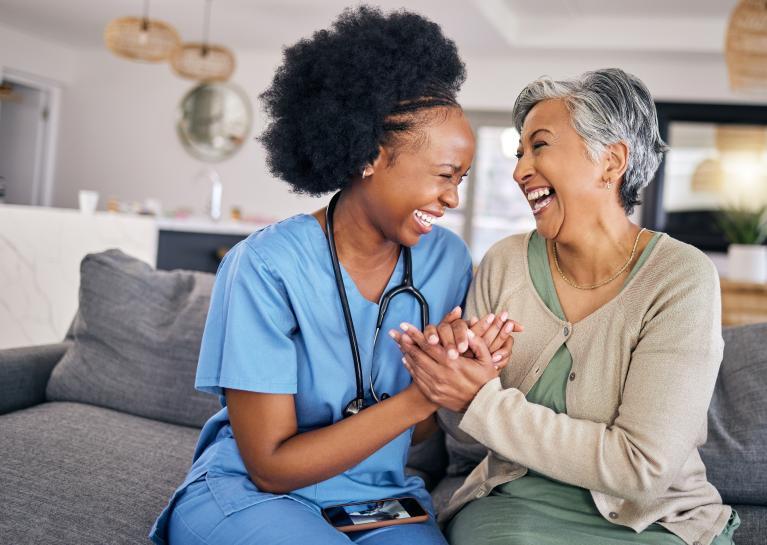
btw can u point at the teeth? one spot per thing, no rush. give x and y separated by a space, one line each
540 204
538 193
424 217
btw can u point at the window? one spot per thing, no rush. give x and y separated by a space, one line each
718 158
492 205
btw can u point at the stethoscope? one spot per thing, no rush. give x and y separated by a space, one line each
358 403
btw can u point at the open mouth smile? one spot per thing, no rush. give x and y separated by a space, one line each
540 198
424 220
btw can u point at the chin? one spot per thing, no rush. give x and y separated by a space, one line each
410 234
548 230
543 227
410 240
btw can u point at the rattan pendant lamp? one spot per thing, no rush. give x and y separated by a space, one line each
203 61
141 38
746 46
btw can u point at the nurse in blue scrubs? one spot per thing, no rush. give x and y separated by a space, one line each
366 108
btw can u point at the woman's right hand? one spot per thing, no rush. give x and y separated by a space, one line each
450 383
453 334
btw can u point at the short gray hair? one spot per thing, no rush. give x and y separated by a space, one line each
606 107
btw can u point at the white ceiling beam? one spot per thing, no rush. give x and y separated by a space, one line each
647 33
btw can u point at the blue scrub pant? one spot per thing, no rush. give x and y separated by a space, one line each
197 519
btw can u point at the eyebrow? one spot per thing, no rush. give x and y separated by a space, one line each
455 168
536 131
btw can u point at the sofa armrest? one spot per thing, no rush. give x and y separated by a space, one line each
24 374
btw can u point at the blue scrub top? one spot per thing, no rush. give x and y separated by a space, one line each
276 325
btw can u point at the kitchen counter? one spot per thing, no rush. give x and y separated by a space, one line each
41 249
40 253
201 224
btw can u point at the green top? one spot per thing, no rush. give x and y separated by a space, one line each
550 388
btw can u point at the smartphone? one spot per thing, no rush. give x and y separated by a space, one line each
356 517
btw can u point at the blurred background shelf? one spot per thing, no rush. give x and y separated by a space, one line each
743 302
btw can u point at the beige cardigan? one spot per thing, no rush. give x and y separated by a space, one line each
644 368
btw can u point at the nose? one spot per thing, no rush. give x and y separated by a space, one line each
524 170
449 198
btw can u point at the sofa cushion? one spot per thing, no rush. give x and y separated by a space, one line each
736 451
136 339
76 473
753 525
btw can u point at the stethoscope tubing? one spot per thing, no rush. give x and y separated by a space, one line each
405 287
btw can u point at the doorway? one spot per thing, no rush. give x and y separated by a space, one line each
28 108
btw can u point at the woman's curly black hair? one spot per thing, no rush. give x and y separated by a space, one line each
347 90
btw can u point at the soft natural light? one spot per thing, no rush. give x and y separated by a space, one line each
509 142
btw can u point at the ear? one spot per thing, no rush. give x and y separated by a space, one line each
617 161
380 162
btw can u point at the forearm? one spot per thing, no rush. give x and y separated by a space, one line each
315 456
615 459
561 447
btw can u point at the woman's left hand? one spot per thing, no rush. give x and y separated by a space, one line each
451 383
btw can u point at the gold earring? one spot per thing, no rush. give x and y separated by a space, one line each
365 173
609 185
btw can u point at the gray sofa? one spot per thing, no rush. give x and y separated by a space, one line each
97 431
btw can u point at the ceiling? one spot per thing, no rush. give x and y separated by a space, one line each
479 27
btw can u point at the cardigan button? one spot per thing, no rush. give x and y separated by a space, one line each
566 331
572 376
613 515
696 543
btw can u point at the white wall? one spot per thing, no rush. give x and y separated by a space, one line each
118 117
118 137
32 55
690 77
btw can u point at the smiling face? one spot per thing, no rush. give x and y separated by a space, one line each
563 185
404 197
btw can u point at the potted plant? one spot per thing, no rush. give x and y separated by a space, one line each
745 229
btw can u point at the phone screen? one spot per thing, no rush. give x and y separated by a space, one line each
374 511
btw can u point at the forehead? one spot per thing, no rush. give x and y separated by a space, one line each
449 132
548 114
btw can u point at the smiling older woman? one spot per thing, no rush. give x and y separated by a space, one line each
593 428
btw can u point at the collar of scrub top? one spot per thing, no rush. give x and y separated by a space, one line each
406 286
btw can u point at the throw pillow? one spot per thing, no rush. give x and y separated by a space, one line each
136 338
736 451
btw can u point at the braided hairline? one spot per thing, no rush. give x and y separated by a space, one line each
402 120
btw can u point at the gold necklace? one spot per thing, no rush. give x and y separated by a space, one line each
602 283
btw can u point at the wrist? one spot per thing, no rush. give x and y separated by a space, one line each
418 405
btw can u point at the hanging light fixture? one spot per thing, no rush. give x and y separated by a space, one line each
203 61
746 46
141 38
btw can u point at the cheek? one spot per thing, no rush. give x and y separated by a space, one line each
418 191
574 182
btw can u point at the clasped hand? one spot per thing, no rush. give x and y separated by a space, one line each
451 362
